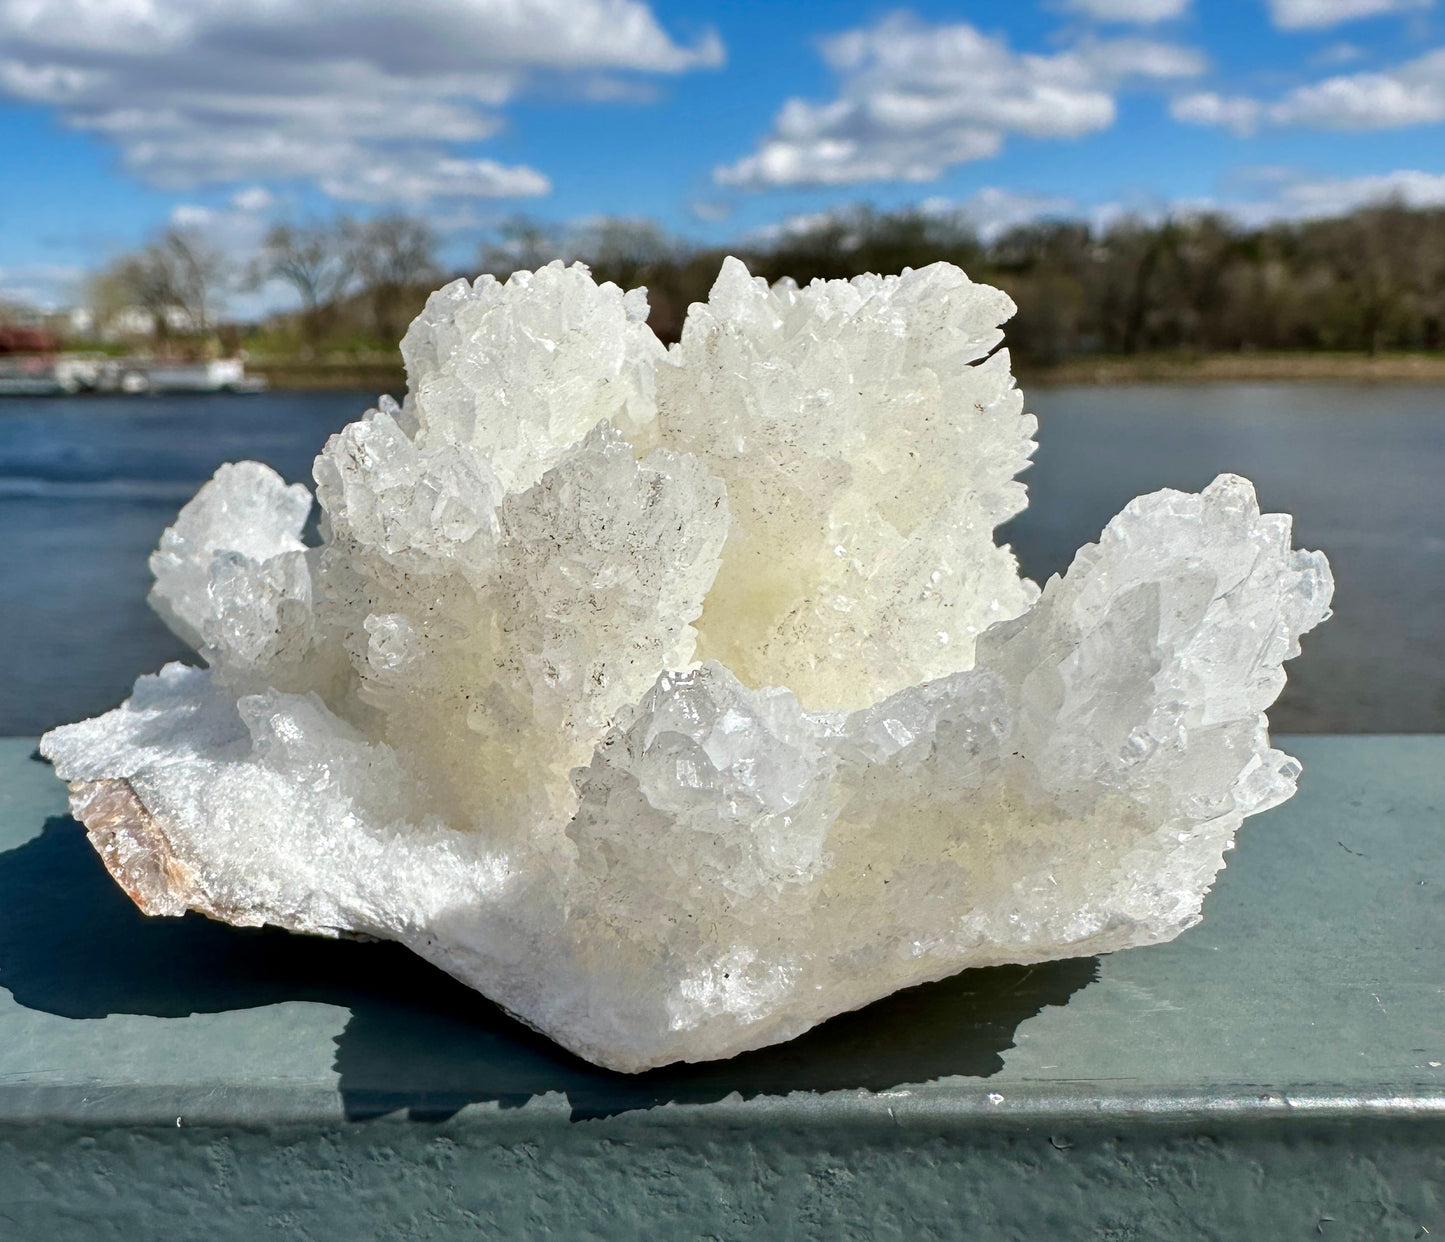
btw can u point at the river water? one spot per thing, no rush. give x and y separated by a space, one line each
87 485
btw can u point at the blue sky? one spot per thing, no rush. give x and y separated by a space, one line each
718 119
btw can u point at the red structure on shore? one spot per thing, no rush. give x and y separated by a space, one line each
18 339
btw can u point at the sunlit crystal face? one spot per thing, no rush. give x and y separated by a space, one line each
681 699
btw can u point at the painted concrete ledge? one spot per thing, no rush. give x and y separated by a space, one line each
1277 1072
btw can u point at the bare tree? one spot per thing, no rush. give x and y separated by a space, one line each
523 244
141 281
176 277
316 260
195 270
393 257
625 250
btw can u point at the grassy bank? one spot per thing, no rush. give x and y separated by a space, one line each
383 373
378 374
1176 368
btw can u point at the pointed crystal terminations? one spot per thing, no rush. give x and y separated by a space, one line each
681 699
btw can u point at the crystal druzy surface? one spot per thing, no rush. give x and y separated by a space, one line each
680 699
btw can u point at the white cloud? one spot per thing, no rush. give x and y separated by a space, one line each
988 212
1261 195
800 224
191 216
1236 113
915 99
234 229
254 198
1285 194
1309 198
1339 54
993 210
43 286
1409 94
710 211
1143 12
419 181
1320 14
369 99
440 36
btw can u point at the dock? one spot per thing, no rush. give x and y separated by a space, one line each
62 375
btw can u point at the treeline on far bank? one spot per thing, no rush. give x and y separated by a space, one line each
1371 281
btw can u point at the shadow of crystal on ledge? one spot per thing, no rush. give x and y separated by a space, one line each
421 1042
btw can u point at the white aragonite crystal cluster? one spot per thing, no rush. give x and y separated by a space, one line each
678 700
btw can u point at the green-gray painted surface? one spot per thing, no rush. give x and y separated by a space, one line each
1276 1072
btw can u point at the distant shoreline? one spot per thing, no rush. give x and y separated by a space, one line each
1427 368
297 376
1341 367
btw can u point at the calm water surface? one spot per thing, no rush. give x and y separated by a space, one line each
87 485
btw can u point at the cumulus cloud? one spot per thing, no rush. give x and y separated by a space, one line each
915 99
255 198
1409 94
1320 14
368 99
1237 113
422 178
1142 12
988 212
1309 198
